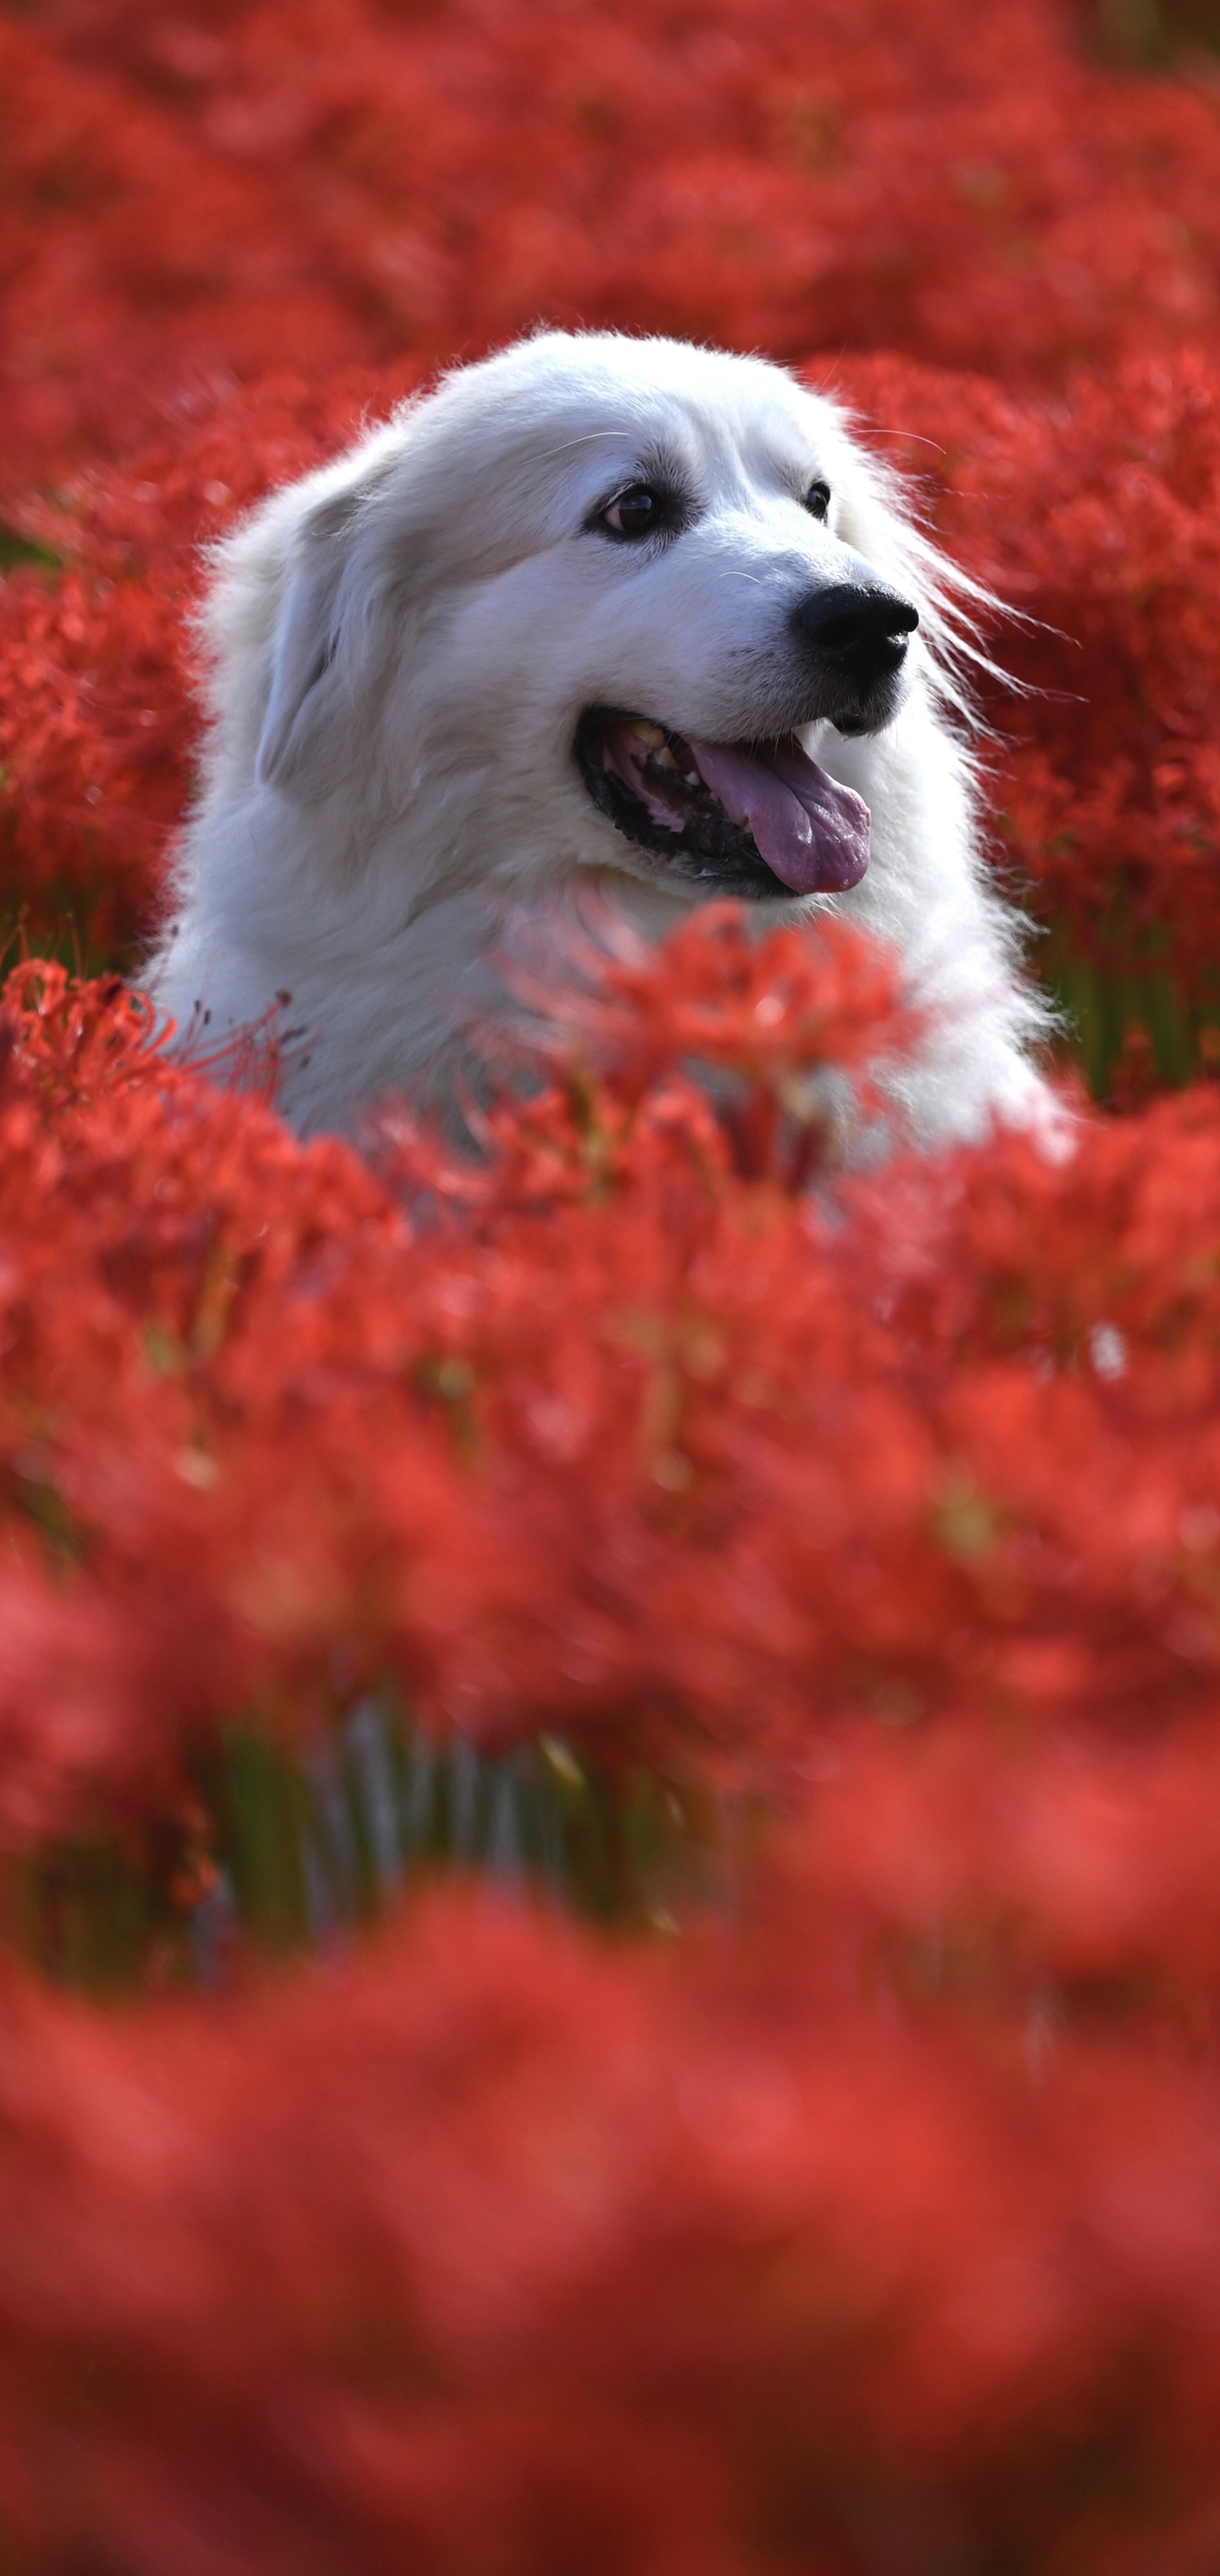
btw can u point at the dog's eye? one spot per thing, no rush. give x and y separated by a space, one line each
635 513
817 500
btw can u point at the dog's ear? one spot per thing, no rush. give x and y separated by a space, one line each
323 641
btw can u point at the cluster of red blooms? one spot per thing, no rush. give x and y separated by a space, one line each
1098 520
237 183
870 2226
97 722
875 2225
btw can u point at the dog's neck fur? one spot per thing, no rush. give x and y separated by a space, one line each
385 996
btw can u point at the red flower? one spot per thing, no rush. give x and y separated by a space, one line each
852 1545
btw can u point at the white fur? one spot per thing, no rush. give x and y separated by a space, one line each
402 644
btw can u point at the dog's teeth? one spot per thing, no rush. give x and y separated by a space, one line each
649 733
664 759
691 776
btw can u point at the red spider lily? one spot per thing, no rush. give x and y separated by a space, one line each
1097 522
486 2248
891 2210
220 193
869 2223
574 1464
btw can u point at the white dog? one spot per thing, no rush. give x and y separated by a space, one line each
598 612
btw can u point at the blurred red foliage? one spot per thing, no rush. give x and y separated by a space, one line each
96 716
886 2219
488 2249
238 186
874 2227
560 1457
239 1398
1096 516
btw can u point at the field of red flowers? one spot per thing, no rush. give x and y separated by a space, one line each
610 1763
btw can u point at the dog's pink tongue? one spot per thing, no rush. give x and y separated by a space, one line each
812 833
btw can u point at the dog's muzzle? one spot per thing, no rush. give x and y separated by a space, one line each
856 635
759 820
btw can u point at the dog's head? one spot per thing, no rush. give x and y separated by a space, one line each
582 606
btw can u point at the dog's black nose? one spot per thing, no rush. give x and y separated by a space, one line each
851 623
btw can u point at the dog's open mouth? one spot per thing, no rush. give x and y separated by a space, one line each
757 819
